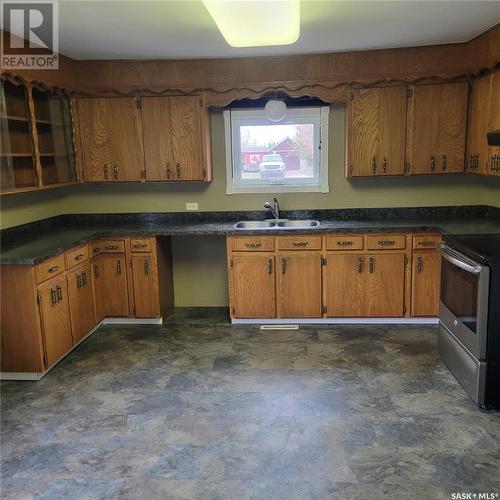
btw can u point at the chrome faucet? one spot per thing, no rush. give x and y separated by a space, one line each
275 209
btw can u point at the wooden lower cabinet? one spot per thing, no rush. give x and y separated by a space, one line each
55 318
299 285
145 286
384 285
425 288
364 285
81 301
252 286
110 285
343 285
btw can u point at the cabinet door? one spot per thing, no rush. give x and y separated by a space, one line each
157 135
187 138
384 285
477 127
253 290
125 139
425 286
55 319
343 285
299 285
377 131
81 301
146 293
437 128
94 139
493 167
110 285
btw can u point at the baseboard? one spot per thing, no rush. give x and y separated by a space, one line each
106 321
337 321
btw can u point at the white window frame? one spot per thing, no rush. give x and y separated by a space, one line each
257 115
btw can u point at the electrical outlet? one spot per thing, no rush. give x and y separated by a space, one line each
191 206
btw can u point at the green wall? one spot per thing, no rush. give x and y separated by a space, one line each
199 263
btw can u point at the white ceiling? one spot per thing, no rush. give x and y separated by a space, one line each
117 29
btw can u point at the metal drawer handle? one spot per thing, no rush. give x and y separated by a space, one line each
84 278
270 266
79 283
427 243
167 170
118 267
146 267
384 166
115 172
97 249
386 242
178 170
59 293
344 242
79 256
140 245
53 269
254 244
374 165
371 264
53 296
283 265
96 271
105 171
443 162
360 264
433 163
300 243
420 264
112 247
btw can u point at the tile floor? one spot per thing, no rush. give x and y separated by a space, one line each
199 409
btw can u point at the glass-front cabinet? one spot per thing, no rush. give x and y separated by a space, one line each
37 149
18 161
55 137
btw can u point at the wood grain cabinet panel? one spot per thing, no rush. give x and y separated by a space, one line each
425 287
50 268
299 285
145 283
76 256
55 319
493 167
376 132
384 285
252 244
478 124
110 285
252 286
81 301
437 128
343 285
176 138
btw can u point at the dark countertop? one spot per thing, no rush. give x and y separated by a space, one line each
35 242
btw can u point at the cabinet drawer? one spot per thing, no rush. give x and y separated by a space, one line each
299 242
252 244
385 241
344 242
426 241
49 268
107 246
76 256
141 245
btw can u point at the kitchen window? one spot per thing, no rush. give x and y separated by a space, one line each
284 157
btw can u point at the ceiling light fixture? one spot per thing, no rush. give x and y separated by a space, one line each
256 23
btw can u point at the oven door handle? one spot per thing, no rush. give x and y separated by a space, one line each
450 255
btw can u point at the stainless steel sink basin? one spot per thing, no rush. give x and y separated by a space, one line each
255 224
281 224
298 224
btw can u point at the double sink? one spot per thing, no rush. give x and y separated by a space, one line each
276 224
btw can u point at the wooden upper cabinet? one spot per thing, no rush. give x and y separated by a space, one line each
478 125
110 139
376 133
299 285
252 286
176 138
493 167
436 128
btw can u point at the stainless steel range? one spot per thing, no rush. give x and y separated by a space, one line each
469 334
